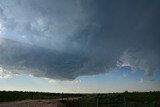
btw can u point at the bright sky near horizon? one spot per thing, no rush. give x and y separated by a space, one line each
116 81
80 45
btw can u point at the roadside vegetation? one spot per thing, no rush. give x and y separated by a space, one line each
7 96
126 99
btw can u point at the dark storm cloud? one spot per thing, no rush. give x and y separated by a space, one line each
24 58
65 39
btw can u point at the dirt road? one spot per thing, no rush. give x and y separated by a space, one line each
33 103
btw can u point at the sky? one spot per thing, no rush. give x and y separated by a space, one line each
80 46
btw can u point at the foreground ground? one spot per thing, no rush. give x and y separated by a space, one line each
39 99
33 103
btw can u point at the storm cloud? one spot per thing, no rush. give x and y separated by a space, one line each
62 39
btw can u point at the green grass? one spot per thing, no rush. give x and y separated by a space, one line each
140 99
6 96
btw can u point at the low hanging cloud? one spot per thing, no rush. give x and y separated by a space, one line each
146 60
65 39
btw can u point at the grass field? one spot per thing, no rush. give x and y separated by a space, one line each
7 96
135 99
126 99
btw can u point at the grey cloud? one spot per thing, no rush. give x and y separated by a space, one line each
66 39
21 58
146 60
48 24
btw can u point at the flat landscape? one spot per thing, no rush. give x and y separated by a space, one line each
33 103
40 99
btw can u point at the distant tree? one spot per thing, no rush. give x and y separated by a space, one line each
126 91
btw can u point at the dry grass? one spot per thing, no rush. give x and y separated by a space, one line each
33 103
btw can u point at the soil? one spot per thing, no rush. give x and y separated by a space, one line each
33 103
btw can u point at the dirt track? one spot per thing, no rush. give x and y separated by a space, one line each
33 103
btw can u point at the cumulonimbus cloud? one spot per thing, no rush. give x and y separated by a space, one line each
66 39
